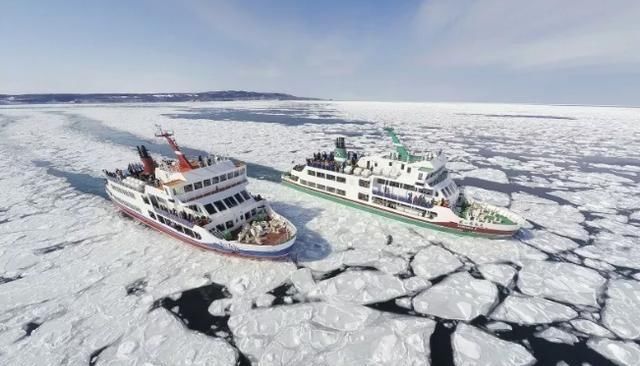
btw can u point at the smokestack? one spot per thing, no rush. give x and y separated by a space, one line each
147 162
340 152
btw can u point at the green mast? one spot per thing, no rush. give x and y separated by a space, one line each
402 151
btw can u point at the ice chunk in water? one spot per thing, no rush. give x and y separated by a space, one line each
475 347
532 310
622 310
434 261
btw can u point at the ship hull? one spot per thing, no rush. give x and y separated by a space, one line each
451 227
279 252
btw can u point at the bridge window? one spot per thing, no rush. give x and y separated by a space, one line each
215 180
188 188
230 175
210 209
207 182
223 178
320 175
245 195
230 202
229 224
236 173
220 206
153 216
197 185
238 197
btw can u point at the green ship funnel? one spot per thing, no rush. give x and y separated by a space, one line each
402 151
341 151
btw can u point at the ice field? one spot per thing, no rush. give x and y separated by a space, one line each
81 284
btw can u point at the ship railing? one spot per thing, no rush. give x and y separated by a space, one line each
415 201
175 218
120 181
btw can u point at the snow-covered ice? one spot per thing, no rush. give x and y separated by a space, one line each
459 296
564 282
78 281
475 347
531 310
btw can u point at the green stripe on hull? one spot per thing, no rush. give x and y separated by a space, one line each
383 213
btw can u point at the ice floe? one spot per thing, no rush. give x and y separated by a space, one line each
434 261
614 249
557 335
363 287
621 353
501 274
485 195
475 347
493 175
564 282
622 310
459 296
531 310
549 242
588 327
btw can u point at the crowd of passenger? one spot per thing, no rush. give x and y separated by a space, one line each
327 161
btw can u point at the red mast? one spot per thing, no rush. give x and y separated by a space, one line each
183 164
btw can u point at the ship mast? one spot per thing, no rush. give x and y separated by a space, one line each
183 163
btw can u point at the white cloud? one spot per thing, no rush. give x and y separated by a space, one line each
529 34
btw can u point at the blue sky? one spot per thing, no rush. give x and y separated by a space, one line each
571 51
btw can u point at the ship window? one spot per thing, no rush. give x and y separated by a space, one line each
375 164
179 228
331 177
197 185
419 176
238 197
236 173
188 188
331 189
188 232
302 181
311 173
223 178
253 212
341 179
382 181
437 193
425 191
220 227
230 175
311 184
390 163
207 182
341 192
364 183
394 184
215 180
401 166
230 202
161 219
363 197
320 175
246 195
409 187
153 216
146 200
210 209
320 186
220 206
409 170
229 224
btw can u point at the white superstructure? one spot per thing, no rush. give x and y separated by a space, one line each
204 202
413 188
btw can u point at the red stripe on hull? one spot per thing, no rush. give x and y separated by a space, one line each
456 226
153 225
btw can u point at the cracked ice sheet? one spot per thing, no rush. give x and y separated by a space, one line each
614 249
362 287
559 281
549 242
332 334
482 250
459 296
622 310
475 347
489 174
557 335
501 274
531 310
561 219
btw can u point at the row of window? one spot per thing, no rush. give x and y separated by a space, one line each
448 190
175 225
327 176
408 187
228 202
363 197
404 208
323 187
229 224
122 190
215 180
